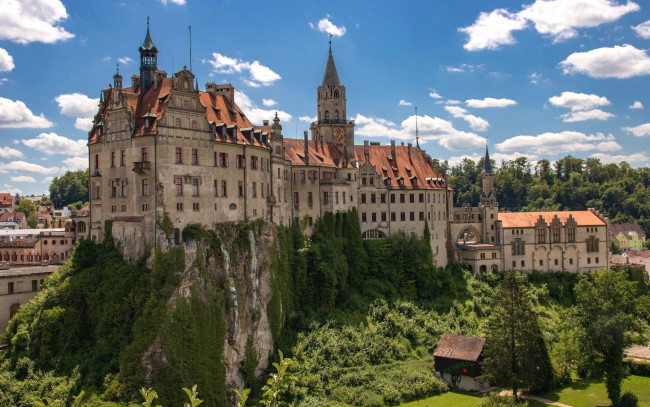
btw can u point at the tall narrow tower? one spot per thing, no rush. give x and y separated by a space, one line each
487 177
332 125
148 62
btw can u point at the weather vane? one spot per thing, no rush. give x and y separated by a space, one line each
118 68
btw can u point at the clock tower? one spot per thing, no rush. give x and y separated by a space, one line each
332 125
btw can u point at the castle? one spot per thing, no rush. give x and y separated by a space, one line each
162 146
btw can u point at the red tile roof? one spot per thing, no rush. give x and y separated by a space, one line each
460 347
6 198
529 219
12 215
320 154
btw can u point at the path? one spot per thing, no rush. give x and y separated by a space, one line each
639 353
541 400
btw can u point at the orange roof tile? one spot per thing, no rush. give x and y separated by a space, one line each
323 155
529 219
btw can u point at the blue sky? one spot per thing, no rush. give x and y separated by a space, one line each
536 78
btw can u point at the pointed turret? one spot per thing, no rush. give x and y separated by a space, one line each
487 164
331 77
148 62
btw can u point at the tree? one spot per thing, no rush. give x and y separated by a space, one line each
606 314
69 188
26 206
32 220
515 352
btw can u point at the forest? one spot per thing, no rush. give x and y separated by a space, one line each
617 190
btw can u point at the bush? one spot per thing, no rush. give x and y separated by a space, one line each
629 399
494 400
637 368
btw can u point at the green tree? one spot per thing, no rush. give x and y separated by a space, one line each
32 220
69 188
26 206
606 313
515 351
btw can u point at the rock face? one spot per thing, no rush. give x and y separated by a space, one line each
234 267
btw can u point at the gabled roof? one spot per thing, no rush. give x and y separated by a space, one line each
529 219
460 347
323 155
6 197
626 228
12 215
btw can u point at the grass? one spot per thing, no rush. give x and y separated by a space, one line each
451 398
589 393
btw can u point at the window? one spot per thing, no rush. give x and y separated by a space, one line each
392 216
254 190
223 159
363 217
10 287
195 206
254 164
179 206
195 156
123 191
571 235
215 159
392 198
240 189
588 260
194 125
122 158
363 198
145 187
296 199
592 244
185 104
195 187
421 215
145 207
402 198
112 158
383 216
343 197
372 180
374 217
145 154
113 188
373 198
518 247
411 198
556 235
96 161
541 235
179 185
325 198
309 199
178 122
336 197
240 161
402 216
482 256
224 188
382 198
411 216
541 263
179 155
523 263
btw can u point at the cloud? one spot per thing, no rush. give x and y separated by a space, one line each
307 119
23 178
430 129
583 115
47 180
33 21
497 157
475 123
643 29
433 94
557 19
12 190
326 26
636 105
618 62
51 144
608 146
489 102
405 103
453 102
578 101
77 105
462 68
3 80
535 78
550 144
76 163
177 2
492 30
8 152
14 114
256 114
269 102
83 123
6 61
640 130
23 166
260 75
124 61
641 157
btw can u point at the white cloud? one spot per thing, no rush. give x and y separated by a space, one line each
491 30
6 61
76 163
608 146
535 78
83 123
23 166
8 152
549 144
269 102
462 68
578 101
405 103
475 123
77 105
307 119
28 21
643 29
14 114
557 19
178 2
3 80
260 75
12 190
583 115
326 26
497 157
256 114
433 94
560 18
430 129
640 130
636 105
453 102
52 143
489 102
124 61
23 178
47 180
641 157
618 62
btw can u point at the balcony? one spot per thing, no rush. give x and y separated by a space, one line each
141 166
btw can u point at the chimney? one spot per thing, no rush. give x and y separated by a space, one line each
392 149
265 122
227 91
306 149
135 83
366 149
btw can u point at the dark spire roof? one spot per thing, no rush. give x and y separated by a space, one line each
331 77
148 44
487 164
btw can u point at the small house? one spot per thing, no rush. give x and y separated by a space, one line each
458 362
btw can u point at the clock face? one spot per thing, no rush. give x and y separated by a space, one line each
338 135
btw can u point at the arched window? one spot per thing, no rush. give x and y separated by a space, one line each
38 257
336 93
81 226
495 268
327 115
482 269
46 257
14 257
6 257
336 115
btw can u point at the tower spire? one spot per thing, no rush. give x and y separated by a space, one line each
417 133
487 165
331 77
148 62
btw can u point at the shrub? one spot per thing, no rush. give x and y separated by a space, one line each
629 399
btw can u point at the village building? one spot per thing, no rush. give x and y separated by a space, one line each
13 220
457 361
6 202
627 236
35 247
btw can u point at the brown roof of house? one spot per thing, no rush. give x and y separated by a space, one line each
320 154
529 219
460 347
626 228
11 215
645 254
6 197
